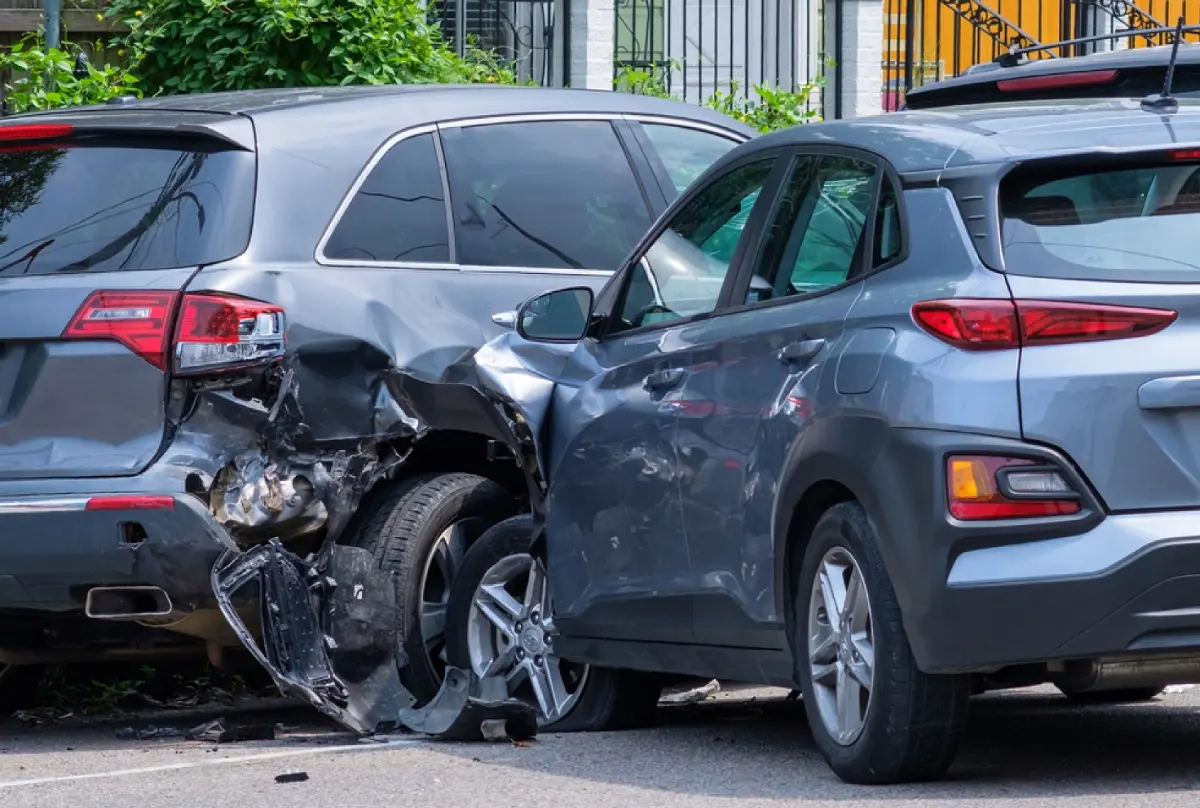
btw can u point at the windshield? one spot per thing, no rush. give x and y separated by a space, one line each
1135 223
104 205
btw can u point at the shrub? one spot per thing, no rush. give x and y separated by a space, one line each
767 109
184 46
45 78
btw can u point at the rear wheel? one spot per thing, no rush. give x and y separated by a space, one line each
500 625
1127 696
875 717
421 530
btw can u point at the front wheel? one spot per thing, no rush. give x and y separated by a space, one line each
500 625
876 718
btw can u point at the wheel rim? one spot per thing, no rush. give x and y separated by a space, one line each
841 646
510 638
441 567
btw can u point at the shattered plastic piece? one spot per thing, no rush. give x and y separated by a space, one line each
147 733
455 715
333 645
291 777
221 731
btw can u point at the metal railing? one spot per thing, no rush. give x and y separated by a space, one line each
696 48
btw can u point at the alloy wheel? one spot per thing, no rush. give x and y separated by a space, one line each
441 566
841 646
510 640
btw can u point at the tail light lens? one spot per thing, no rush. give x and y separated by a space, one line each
995 325
984 487
214 332
141 321
219 332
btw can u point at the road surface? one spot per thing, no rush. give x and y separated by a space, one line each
1023 749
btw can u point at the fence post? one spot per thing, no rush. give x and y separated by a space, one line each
51 22
854 33
591 31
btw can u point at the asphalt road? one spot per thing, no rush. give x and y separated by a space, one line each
1028 748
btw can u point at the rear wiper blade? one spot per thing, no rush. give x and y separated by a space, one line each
28 257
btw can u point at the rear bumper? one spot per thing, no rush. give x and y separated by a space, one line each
53 549
979 597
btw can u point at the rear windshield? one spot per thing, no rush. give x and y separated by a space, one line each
105 206
1137 223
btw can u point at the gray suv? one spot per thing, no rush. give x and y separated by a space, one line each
892 411
202 300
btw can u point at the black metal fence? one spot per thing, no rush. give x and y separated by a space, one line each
696 48
927 40
523 33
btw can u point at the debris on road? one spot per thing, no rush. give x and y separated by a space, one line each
693 695
222 731
147 733
292 777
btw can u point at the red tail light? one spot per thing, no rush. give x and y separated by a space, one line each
981 488
1089 78
215 332
140 321
35 131
996 325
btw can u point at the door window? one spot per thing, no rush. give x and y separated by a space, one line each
682 272
816 238
544 195
685 153
399 213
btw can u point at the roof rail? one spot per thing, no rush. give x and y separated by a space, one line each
1013 57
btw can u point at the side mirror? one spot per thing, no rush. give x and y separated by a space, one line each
559 316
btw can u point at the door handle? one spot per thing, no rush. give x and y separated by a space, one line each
663 379
800 351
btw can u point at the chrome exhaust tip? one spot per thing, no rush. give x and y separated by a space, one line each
127 603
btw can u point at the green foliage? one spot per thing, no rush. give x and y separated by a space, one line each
766 109
44 78
185 46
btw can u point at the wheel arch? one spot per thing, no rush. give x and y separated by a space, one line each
831 465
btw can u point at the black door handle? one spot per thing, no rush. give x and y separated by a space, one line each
663 379
800 351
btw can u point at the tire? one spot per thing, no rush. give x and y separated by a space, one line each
607 699
913 722
1128 696
401 530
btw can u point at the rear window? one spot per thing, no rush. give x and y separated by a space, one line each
108 206
1136 223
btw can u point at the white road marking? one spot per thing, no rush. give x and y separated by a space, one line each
169 767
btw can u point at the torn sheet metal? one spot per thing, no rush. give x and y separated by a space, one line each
329 629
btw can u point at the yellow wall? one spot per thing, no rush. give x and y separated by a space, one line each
938 28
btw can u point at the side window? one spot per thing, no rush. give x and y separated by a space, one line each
682 272
887 225
815 239
685 153
399 212
543 195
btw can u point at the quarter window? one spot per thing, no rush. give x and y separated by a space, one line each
543 195
682 272
685 153
814 242
399 212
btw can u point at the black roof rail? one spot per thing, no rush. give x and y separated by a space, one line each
1013 57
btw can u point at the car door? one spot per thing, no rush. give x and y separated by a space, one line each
618 559
755 373
676 152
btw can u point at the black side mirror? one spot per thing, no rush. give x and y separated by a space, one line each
559 316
